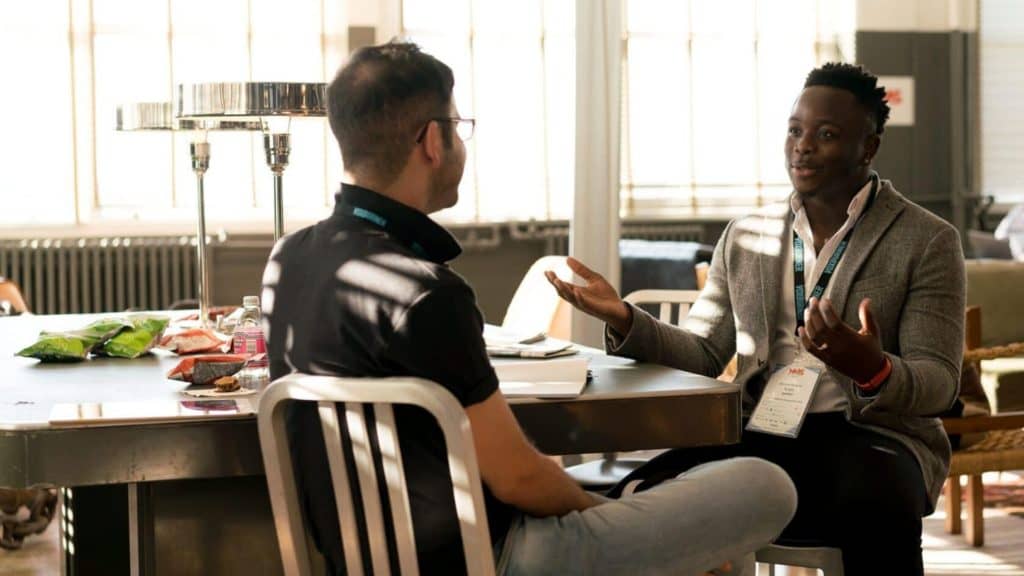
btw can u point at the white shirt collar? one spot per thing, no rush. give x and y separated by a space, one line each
853 211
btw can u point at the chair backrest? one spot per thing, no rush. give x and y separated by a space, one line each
352 395
535 306
683 299
10 292
700 269
972 328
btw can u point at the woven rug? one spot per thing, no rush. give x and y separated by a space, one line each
1005 492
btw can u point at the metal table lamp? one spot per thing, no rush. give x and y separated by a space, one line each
270 101
146 116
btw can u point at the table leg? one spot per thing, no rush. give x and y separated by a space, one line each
140 530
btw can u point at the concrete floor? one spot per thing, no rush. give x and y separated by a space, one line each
944 554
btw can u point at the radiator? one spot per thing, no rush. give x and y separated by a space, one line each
556 235
663 231
60 276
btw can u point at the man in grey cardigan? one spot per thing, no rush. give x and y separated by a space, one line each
841 390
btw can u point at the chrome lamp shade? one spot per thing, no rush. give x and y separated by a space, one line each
251 99
144 116
256 100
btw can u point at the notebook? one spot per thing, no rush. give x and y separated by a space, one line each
557 378
498 336
505 343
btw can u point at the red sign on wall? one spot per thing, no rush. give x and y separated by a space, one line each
899 93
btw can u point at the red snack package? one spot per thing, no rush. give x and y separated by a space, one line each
206 369
194 341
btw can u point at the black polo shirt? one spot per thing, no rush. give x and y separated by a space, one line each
367 292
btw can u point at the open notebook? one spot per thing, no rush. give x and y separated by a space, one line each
556 378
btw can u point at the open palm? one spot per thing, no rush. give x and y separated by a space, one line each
596 297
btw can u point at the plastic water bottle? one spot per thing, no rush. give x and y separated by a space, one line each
250 340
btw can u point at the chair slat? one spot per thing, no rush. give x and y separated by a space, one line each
357 429
665 312
342 488
684 311
284 495
394 475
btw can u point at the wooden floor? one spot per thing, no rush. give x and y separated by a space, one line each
1003 553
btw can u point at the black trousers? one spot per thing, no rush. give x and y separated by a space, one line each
857 490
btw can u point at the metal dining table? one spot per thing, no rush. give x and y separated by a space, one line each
181 490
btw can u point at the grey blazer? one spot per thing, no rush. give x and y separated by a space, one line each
908 261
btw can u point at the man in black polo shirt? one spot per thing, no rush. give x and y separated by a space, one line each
367 292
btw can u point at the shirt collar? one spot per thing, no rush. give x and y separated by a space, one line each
853 211
407 225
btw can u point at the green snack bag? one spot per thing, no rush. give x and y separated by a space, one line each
137 340
74 345
97 332
58 348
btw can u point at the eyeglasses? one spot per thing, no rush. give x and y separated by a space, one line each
464 127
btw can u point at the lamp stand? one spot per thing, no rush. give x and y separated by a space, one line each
200 152
277 148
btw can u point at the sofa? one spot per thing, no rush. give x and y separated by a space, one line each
997 286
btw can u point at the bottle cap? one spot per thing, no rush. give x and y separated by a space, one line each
251 302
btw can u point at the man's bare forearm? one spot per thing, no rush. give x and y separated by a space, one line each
548 491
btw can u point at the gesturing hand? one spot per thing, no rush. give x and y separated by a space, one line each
856 353
597 297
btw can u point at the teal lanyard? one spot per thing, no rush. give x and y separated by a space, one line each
799 290
382 223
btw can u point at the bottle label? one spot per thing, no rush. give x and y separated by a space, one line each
250 340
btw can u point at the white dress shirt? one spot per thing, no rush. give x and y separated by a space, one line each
786 347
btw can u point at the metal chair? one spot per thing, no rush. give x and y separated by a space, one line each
610 469
352 395
666 301
828 560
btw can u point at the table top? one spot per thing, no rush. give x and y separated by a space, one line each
627 406
29 389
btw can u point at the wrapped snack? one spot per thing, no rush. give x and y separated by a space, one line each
206 369
195 341
140 338
74 345
57 348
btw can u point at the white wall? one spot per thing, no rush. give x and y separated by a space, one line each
917 15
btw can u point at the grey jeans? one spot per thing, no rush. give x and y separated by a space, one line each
717 512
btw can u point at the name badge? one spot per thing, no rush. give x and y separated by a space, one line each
785 401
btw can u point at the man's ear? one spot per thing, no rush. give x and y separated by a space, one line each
871 145
433 144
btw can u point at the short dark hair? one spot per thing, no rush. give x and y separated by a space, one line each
380 99
859 82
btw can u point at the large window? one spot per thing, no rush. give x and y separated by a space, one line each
70 64
708 88
1002 99
514 66
37 147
